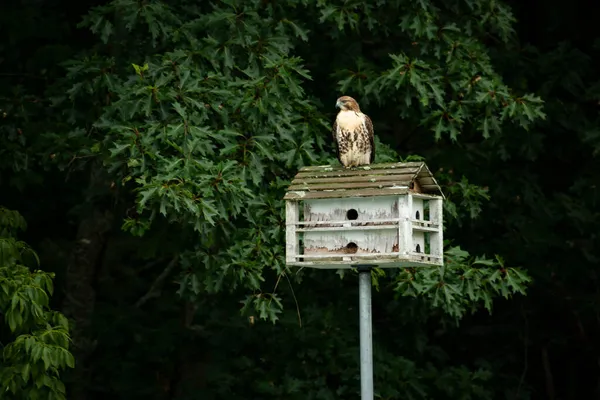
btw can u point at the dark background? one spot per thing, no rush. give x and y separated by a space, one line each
543 216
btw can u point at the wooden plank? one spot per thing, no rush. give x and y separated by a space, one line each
436 214
433 190
414 255
424 171
339 194
426 181
291 238
343 173
357 179
411 255
401 204
336 186
304 195
383 263
421 222
425 196
350 222
397 165
363 167
405 226
356 255
348 228
418 228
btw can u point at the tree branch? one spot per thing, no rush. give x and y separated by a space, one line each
156 287
548 373
525 351
152 264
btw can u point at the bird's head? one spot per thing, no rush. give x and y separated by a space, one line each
347 103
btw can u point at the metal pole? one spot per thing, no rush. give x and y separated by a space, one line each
366 333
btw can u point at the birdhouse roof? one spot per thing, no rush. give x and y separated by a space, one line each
327 181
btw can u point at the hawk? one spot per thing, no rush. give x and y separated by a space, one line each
353 134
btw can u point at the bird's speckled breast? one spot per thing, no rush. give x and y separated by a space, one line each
353 139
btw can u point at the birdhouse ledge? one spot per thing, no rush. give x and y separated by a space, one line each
388 215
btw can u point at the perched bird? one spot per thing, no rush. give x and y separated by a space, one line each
353 134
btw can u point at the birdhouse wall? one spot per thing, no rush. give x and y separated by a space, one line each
436 216
292 240
351 242
417 209
396 230
418 242
405 204
357 209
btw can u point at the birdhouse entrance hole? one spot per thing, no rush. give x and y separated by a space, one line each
352 214
351 247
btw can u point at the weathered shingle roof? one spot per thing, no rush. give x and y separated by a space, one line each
327 181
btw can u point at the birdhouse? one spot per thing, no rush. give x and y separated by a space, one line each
385 215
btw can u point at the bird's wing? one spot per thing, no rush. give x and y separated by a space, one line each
335 142
371 133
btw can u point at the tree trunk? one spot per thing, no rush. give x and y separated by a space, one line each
80 296
550 393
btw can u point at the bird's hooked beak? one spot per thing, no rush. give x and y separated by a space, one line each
339 104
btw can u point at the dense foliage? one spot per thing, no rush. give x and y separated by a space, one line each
38 344
161 136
